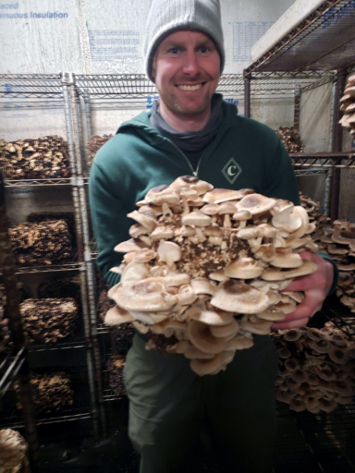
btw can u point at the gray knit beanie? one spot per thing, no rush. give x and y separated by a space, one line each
167 16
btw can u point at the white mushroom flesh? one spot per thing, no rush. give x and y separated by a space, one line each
202 264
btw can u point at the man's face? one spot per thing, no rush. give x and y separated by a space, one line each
186 72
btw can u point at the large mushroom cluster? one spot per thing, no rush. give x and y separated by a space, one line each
94 144
40 158
204 269
48 320
50 392
315 215
13 452
347 105
317 368
338 240
291 138
42 243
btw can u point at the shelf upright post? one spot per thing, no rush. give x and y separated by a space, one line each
296 113
89 269
77 183
337 134
7 265
246 94
85 119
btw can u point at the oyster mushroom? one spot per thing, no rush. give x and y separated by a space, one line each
235 296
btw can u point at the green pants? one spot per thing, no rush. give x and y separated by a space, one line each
168 402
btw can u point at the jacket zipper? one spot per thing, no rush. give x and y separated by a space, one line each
194 173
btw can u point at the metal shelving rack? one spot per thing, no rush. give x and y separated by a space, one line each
319 49
95 93
54 91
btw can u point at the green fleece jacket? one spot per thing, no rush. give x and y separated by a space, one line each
243 154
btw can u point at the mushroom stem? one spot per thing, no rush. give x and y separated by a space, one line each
185 206
166 209
227 221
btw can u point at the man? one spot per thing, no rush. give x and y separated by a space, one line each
191 130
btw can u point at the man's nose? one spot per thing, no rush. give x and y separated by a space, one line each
190 65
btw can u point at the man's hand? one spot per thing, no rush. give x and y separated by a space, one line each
315 287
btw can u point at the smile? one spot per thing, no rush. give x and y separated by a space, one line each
190 87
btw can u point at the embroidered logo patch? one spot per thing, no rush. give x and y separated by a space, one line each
231 170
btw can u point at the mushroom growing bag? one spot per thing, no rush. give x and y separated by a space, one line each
204 269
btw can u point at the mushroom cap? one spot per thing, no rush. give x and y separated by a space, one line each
243 268
191 352
169 251
162 232
196 218
218 276
226 331
144 219
272 274
129 245
255 203
285 258
240 298
144 255
266 230
272 313
204 367
201 337
176 278
218 195
265 252
226 208
248 233
241 215
142 296
308 267
209 316
116 316
134 272
210 209
239 342
203 286
253 324
162 195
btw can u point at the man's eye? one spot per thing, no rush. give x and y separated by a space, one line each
173 50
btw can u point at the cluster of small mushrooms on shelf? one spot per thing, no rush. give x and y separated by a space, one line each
204 269
291 138
347 105
338 240
316 369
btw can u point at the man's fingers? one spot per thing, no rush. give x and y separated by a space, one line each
291 324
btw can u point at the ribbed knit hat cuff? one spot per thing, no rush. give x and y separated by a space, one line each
168 16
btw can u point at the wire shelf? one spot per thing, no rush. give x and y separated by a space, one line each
11 415
37 182
79 342
324 40
9 369
50 268
324 160
30 86
273 84
130 86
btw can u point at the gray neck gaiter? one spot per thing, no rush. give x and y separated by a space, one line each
190 141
